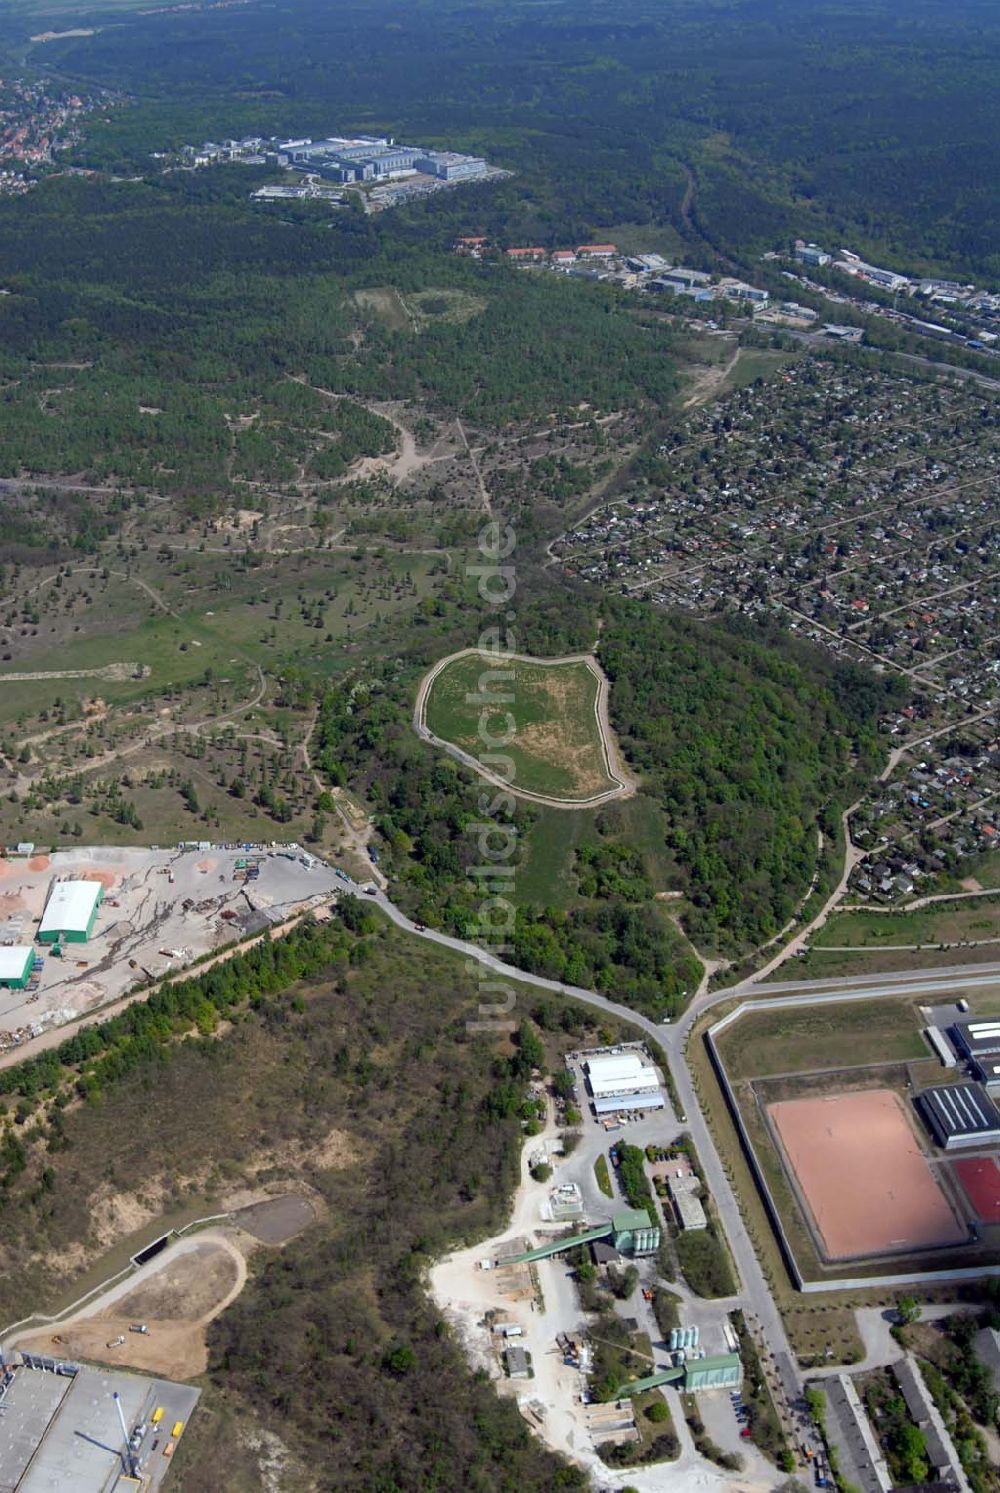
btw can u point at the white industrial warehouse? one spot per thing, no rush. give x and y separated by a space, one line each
612 1103
622 1080
16 963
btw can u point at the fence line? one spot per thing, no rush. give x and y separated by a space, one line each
809 1287
42 1320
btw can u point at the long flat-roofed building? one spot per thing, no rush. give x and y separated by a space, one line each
60 1427
617 1073
960 1114
977 1039
987 1070
979 1043
70 912
611 1104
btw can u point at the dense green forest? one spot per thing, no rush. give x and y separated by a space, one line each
601 933
750 747
857 120
153 329
747 742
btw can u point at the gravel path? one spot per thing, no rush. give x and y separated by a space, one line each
624 786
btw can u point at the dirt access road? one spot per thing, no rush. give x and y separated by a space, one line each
175 1296
624 786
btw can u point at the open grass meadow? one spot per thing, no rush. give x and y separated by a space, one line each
828 964
545 874
981 870
557 748
969 919
814 1038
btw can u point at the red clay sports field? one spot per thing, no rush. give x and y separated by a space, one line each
980 1179
866 1182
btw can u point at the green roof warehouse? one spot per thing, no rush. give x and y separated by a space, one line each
70 911
16 963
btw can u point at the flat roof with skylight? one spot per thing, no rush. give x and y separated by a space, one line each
977 1038
620 1073
60 1431
961 1114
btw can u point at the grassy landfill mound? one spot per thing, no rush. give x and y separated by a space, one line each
557 747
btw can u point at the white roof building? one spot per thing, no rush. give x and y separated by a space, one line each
613 1104
620 1073
15 960
70 908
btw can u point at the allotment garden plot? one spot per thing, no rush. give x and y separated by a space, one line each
549 719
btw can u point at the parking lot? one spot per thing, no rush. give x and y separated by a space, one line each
162 909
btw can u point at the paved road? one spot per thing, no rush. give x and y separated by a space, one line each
755 1287
673 1039
917 981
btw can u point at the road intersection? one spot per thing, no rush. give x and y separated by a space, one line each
673 1039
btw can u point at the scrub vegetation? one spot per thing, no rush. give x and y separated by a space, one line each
275 1053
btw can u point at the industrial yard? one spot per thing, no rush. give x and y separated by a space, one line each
153 1315
75 1429
173 1299
559 1307
152 912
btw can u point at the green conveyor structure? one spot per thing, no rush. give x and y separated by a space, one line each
559 1246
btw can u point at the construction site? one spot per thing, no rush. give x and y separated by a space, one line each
79 929
90 1400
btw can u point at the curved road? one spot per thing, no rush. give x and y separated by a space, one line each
762 1310
673 1040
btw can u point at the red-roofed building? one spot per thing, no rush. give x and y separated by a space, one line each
596 251
564 256
526 256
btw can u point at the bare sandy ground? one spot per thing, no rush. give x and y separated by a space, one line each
175 1296
464 1292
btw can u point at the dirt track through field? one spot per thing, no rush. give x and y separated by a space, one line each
175 1297
116 672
